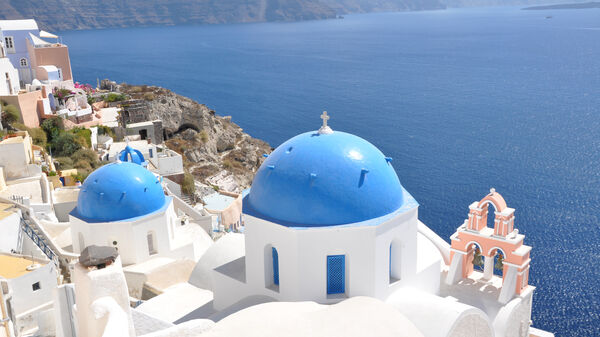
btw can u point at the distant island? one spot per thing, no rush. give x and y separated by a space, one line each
584 5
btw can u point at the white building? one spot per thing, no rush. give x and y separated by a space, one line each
9 76
16 156
326 219
26 295
123 205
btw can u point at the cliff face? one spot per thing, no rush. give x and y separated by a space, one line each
84 14
214 149
366 6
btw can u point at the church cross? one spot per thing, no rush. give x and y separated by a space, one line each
325 129
325 118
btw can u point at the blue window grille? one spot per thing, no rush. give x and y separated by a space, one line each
336 274
275 266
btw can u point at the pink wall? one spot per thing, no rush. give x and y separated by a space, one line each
57 55
27 103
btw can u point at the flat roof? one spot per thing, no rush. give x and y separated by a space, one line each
140 145
14 266
28 24
4 210
12 140
217 201
147 123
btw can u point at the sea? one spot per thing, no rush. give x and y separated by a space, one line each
463 100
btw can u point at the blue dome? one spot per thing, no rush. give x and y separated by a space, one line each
119 191
131 155
324 179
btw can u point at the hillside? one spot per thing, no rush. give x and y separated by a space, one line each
85 14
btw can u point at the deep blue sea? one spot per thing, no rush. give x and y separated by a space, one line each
463 100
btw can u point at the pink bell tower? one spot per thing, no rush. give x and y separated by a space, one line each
503 243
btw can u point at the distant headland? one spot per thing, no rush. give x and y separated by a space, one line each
584 5
60 15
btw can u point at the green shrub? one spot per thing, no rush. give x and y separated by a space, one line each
86 155
81 176
203 136
83 165
10 114
84 134
105 130
112 97
53 127
67 143
52 173
149 96
19 126
188 185
39 136
64 163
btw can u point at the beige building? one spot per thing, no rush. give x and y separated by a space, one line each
16 155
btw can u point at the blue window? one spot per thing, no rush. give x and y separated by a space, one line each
275 266
151 156
336 274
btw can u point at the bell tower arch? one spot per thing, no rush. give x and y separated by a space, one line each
500 247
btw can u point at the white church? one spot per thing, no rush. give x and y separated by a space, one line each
332 246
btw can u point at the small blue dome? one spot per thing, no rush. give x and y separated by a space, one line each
119 191
131 155
324 179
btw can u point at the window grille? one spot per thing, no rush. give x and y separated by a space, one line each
336 274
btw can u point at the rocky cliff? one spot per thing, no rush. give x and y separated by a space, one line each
215 150
84 14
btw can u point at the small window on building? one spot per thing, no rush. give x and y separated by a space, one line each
151 243
23 62
275 266
9 44
60 74
36 286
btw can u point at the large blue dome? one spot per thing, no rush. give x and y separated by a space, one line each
119 191
324 179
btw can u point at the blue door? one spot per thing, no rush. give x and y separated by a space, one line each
275 266
336 274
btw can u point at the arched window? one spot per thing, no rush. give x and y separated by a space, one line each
271 268
23 62
275 266
151 243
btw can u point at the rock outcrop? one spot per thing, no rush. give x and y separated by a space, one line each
215 150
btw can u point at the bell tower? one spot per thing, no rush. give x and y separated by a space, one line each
500 247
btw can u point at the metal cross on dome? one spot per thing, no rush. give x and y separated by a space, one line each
325 129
